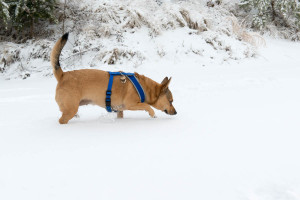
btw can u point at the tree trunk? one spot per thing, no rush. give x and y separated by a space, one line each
64 17
32 28
273 10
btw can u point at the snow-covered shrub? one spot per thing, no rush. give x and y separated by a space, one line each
117 55
283 14
4 14
251 37
212 3
27 12
22 18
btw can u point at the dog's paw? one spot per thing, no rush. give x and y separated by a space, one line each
153 115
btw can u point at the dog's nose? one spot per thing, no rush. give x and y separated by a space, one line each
175 112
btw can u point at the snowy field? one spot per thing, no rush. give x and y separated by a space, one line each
236 136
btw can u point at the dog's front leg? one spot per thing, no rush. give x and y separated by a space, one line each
120 114
143 106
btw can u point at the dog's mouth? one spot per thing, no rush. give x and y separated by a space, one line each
166 111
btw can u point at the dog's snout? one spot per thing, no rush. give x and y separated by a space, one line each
170 112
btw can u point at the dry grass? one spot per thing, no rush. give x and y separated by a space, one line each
252 38
193 23
116 55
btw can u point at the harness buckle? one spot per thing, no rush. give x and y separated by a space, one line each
108 102
108 92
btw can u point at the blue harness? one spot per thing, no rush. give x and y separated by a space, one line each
133 80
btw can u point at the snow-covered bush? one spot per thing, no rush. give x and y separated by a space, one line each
283 14
251 37
212 3
4 13
23 17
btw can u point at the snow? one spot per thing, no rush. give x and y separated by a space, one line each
138 31
236 136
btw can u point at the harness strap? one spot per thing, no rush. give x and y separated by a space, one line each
138 87
108 92
133 80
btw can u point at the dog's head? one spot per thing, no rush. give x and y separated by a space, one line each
165 98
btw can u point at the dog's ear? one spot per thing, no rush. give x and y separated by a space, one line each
136 75
165 84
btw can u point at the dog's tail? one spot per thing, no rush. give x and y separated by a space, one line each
55 53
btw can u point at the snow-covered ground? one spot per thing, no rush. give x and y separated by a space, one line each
236 136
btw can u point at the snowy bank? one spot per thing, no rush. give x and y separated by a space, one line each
131 33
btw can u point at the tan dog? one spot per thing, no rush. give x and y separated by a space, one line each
88 86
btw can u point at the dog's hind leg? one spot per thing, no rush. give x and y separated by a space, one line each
67 115
69 110
68 103
120 114
143 106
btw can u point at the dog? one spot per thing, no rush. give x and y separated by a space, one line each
88 86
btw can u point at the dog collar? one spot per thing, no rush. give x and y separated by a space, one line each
133 80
